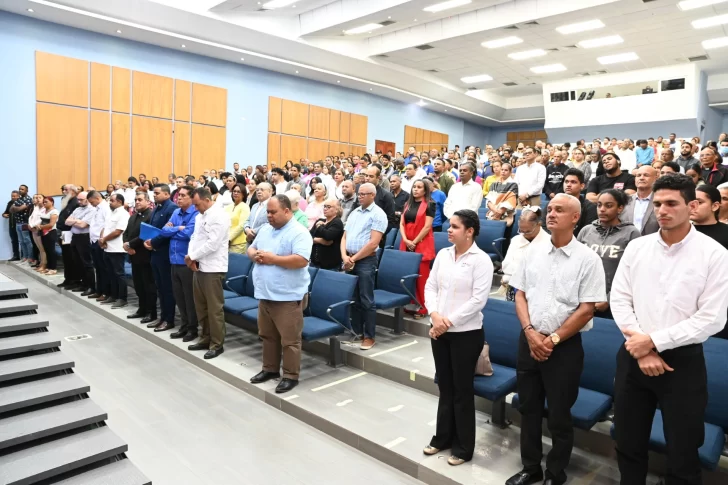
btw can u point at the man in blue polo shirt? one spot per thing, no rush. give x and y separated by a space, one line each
281 252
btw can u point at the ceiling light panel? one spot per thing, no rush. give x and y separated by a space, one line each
439 7
715 43
504 42
548 68
519 56
710 22
617 58
476 79
693 4
273 4
580 27
362 29
601 42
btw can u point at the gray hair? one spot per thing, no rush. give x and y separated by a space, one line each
293 195
723 186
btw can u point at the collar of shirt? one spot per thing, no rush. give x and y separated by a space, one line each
640 199
677 245
568 249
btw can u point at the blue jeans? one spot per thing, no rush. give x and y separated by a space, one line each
162 272
25 244
365 313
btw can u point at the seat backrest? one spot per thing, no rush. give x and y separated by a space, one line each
312 272
601 345
502 331
445 226
489 232
716 362
397 240
389 240
441 241
394 266
516 223
238 265
331 287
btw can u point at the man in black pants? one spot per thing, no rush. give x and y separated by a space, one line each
14 195
80 222
140 257
112 243
558 285
71 275
662 361
103 288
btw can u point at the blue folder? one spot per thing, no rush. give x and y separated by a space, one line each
148 231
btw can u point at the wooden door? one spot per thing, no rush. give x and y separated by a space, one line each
384 147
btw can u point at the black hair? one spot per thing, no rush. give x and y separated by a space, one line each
132 179
616 157
639 142
696 168
471 166
91 194
189 179
426 198
673 165
298 166
386 157
567 145
283 200
469 219
576 173
676 181
164 188
119 198
202 193
243 190
279 171
714 195
190 189
620 197
711 144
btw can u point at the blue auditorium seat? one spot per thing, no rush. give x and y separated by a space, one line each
252 313
389 239
491 238
441 241
396 278
239 289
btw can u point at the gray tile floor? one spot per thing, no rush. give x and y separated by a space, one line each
184 426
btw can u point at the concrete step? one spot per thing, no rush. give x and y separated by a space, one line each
17 305
40 391
121 472
9 287
29 342
34 365
23 428
23 322
53 458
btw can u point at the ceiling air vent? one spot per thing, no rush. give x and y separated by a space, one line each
424 47
381 56
473 89
510 84
569 47
582 74
698 58
596 73
433 70
532 22
387 22
511 27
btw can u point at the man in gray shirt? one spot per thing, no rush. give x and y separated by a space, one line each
80 221
558 285
349 199
686 157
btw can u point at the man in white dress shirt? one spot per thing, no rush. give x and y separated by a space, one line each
530 177
466 194
670 293
626 155
207 257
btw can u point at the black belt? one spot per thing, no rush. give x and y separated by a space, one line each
350 254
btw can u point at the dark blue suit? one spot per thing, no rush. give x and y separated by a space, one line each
160 261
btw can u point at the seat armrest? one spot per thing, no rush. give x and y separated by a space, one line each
333 307
404 286
497 245
234 278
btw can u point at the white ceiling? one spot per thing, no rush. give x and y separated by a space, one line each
309 38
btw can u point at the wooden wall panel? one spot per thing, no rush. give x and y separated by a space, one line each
120 90
100 86
358 129
419 136
181 164
61 147
334 148
294 118
274 115
357 150
151 146
334 125
100 149
318 123
208 148
293 148
317 150
182 100
209 105
120 147
512 136
344 127
274 148
60 80
152 95
444 139
410 135
427 137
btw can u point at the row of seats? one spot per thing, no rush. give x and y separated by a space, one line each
596 391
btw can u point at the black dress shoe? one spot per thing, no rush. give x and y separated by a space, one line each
189 337
62 284
199 346
553 481
148 319
108 300
87 293
286 385
154 324
14 259
263 376
525 478
163 327
136 314
211 354
178 334
78 289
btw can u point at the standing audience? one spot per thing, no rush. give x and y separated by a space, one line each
326 234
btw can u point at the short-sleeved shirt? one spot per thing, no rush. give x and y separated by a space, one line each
360 224
277 283
411 215
22 216
624 181
118 219
557 280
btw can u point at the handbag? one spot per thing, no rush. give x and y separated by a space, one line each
483 367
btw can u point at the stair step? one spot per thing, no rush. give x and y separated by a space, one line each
122 472
9 288
17 305
33 365
40 391
26 343
52 458
22 322
49 421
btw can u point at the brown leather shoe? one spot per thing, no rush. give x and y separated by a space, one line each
164 326
155 324
367 344
101 298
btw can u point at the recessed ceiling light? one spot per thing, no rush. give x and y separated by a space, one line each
715 43
118 31
617 58
258 3
476 79
580 27
519 56
710 22
445 111
277 4
183 46
31 10
421 103
415 20
692 4
601 42
242 58
439 7
505 41
389 17
363 28
296 72
294 6
370 89
548 68
338 81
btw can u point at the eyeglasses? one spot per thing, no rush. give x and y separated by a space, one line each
327 206
362 194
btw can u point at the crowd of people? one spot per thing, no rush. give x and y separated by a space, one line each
599 224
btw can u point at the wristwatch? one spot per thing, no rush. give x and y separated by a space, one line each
555 339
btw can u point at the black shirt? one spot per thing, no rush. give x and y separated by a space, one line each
555 179
327 257
717 231
624 181
715 177
588 214
400 200
411 215
65 213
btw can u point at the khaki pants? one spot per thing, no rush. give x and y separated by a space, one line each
534 201
207 291
279 325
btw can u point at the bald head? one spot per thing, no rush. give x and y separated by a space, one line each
570 201
563 214
644 178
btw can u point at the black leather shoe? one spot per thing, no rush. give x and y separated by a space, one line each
62 284
78 289
119 304
108 300
525 478
178 334
148 319
87 293
553 481
136 314
263 376
199 346
286 385
13 259
155 324
211 354
164 327
189 337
